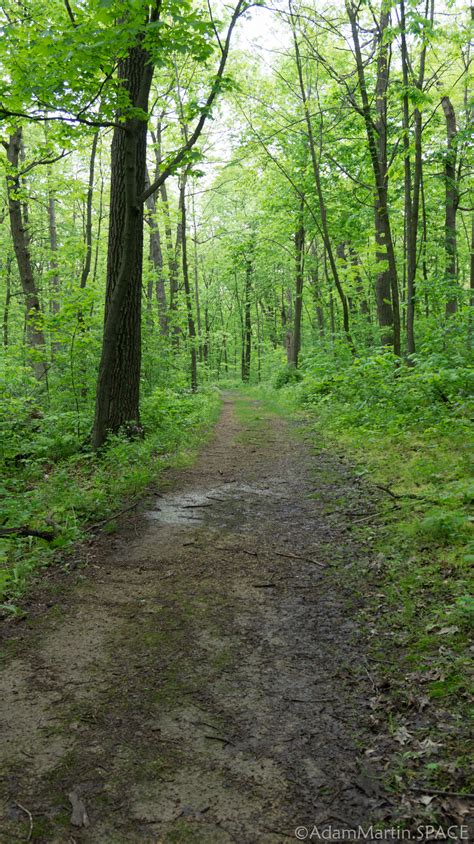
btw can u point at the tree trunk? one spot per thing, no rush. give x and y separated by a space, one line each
53 245
119 371
8 296
319 190
387 296
187 287
247 326
412 201
156 259
21 245
299 262
451 205
88 232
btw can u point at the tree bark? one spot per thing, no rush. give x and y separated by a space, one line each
21 245
299 263
451 205
118 383
247 323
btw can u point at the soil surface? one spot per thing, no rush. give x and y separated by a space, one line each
200 679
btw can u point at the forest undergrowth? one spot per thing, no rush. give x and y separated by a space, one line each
54 485
407 432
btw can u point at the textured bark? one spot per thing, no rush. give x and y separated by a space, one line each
118 384
451 204
21 244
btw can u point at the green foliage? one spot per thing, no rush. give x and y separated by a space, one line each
61 487
286 376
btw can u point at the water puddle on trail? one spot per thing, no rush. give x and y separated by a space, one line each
222 501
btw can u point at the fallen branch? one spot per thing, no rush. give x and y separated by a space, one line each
300 557
401 494
27 531
115 516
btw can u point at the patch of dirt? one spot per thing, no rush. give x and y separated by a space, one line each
201 680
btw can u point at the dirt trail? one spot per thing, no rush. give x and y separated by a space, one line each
202 681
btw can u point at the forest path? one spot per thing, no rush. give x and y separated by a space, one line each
203 680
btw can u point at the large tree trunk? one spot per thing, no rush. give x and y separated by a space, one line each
451 205
119 372
21 245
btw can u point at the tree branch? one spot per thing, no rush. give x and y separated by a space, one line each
193 138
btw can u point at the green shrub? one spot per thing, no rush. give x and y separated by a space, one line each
287 376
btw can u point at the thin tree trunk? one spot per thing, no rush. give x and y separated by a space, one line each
8 296
451 203
187 287
53 245
410 231
319 190
299 262
21 245
471 287
387 296
156 259
90 194
247 323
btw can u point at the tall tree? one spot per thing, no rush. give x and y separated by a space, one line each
18 212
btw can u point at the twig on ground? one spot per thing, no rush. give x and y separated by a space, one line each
264 585
30 818
24 530
218 738
115 516
299 557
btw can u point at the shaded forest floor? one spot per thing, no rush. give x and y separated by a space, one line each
205 677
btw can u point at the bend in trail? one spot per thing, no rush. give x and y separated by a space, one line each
204 681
